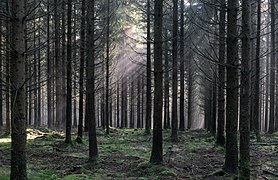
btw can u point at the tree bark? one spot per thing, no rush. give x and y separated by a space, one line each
231 156
149 72
107 68
272 69
81 76
174 134
220 138
49 75
157 150
266 118
58 65
18 91
244 127
190 91
93 149
166 84
138 101
182 66
8 70
257 109
1 76
69 76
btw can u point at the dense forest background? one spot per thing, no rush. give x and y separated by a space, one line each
98 71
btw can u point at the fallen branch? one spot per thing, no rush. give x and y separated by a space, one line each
266 144
270 173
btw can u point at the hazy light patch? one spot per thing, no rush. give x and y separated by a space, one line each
5 140
31 134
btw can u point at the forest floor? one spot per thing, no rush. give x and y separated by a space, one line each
124 154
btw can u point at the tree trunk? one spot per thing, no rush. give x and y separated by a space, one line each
63 65
74 57
8 69
220 138
166 84
244 127
107 68
231 156
266 118
272 69
174 134
138 101
149 72
1 77
157 150
182 66
131 119
69 76
18 147
257 109
39 78
118 104
58 65
35 80
49 78
93 150
190 91
81 75
122 104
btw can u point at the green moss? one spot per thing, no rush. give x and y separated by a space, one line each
147 169
49 175
5 172
78 155
168 172
5 145
77 177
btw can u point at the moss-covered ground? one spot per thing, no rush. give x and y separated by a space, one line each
124 154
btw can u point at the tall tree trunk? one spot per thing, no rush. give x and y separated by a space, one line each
1 76
125 103
122 104
8 69
174 134
149 72
49 75
74 57
18 149
272 69
35 80
166 84
39 78
69 76
63 65
93 150
118 104
138 101
257 75
231 156
107 68
220 138
244 127
143 97
266 118
190 91
157 150
58 65
81 75
132 102
182 66
30 98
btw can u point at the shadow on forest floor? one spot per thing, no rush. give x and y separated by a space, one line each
124 154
